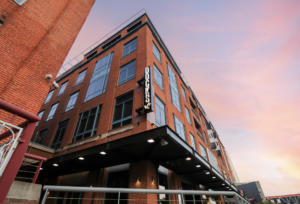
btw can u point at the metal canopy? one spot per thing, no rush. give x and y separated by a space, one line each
168 150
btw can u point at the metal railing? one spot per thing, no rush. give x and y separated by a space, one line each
181 196
14 141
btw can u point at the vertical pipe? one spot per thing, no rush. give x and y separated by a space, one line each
194 201
45 196
37 172
119 197
182 198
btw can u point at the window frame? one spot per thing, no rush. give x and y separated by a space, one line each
98 74
156 107
122 119
183 92
176 128
156 70
77 93
60 137
95 125
206 156
79 74
128 78
129 44
56 105
193 141
173 87
43 131
40 115
156 48
188 116
62 88
49 96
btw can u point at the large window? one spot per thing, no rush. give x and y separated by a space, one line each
156 52
201 119
123 110
203 151
80 77
188 115
173 88
40 115
183 92
62 88
193 141
87 124
158 78
160 112
99 78
59 134
41 136
52 111
49 96
179 127
127 72
129 47
72 101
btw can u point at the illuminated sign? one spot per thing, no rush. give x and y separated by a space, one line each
148 101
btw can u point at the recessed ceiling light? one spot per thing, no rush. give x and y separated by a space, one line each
213 177
41 168
198 165
223 184
103 153
227 187
230 189
188 158
55 164
81 158
208 172
150 140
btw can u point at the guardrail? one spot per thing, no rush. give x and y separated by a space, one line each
180 194
13 144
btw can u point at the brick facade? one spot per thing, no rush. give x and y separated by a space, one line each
34 41
144 57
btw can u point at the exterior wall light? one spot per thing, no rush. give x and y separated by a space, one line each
151 141
223 184
213 177
55 164
41 168
153 179
103 153
137 179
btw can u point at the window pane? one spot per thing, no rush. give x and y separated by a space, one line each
173 88
82 125
160 112
101 71
156 52
158 77
127 72
122 76
127 109
90 123
183 92
125 122
49 96
62 88
188 115
118 112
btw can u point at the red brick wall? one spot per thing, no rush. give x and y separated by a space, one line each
34 41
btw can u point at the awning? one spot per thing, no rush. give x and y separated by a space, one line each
168 149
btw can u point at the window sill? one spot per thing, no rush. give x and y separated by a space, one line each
128 54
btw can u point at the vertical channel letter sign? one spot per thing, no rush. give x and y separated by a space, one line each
148 101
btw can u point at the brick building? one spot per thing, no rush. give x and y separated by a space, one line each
35 38
100 129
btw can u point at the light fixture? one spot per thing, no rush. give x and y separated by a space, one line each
227 187
137 179
41 168
198 166
230 189
55 164
223 184
163 142
150 140
188 158
213 177
208 172
152 179
81 158
103 153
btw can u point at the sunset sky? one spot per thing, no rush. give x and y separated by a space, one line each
242 60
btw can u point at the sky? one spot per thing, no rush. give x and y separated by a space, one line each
242 60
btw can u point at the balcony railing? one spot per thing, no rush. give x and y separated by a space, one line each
178 196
